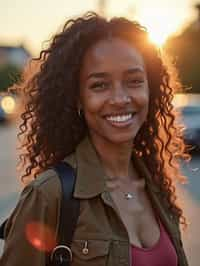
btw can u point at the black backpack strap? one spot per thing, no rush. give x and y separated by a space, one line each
2 229
69 213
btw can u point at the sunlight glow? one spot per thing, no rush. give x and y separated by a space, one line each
157 37
160 23
161 17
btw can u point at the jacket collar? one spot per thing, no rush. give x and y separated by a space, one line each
144 171
90 180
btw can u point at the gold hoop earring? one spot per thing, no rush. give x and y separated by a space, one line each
80 112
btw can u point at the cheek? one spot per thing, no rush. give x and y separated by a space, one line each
92 104
142 99
146 100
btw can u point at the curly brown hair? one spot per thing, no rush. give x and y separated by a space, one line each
51 128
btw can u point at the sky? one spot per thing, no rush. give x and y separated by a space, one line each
32 22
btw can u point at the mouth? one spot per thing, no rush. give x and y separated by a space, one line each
120 120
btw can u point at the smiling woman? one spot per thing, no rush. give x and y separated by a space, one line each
114 91
101 101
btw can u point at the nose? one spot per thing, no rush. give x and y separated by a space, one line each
119 95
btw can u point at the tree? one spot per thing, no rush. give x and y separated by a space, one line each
9 74
185 50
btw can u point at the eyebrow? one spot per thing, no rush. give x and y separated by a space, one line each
135 70
97 75
104 74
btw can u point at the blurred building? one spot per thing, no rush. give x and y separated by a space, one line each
11 55
186 53
12 61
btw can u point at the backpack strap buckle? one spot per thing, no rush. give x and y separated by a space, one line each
61 255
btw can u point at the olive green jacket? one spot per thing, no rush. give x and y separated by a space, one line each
100 238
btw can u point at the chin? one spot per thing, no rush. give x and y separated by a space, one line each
121 139
113 137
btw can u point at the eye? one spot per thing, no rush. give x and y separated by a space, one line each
99 85
135 82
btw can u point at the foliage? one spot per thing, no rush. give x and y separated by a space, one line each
9 74
186 53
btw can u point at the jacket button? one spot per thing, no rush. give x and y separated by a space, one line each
85 250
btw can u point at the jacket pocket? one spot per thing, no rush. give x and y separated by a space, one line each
90 252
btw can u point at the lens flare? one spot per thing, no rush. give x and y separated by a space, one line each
40 236
8 104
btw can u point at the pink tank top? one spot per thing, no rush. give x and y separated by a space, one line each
161 254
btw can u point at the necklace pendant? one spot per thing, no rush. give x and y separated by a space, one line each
128 196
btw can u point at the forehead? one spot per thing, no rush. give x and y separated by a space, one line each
110 54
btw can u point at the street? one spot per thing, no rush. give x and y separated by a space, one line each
189 195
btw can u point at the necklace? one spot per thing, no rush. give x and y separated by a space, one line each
128 195
114 186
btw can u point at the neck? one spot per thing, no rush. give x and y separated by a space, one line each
115 158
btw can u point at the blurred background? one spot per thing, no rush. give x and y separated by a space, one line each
173 25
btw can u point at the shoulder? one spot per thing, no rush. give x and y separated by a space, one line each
40 199
42 195
47 183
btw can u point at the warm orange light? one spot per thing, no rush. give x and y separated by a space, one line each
8 104
157 37
159 22
40 236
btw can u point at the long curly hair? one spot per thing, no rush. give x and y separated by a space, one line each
51 127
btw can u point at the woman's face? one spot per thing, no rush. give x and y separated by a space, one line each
114 93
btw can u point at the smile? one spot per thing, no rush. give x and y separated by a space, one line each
120 118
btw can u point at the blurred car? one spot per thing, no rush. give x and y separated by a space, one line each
8 107
191 120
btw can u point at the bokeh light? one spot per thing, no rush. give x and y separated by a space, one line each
8 104
40 236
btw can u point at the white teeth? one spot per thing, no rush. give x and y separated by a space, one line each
119 118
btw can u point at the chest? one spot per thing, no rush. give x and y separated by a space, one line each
101 238
138 216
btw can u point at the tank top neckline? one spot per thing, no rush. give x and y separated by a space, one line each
154 246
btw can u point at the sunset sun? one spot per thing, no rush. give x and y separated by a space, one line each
160 24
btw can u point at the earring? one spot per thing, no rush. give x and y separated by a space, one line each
79 112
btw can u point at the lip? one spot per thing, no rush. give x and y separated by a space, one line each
122 124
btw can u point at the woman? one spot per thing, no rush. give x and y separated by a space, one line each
101 101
